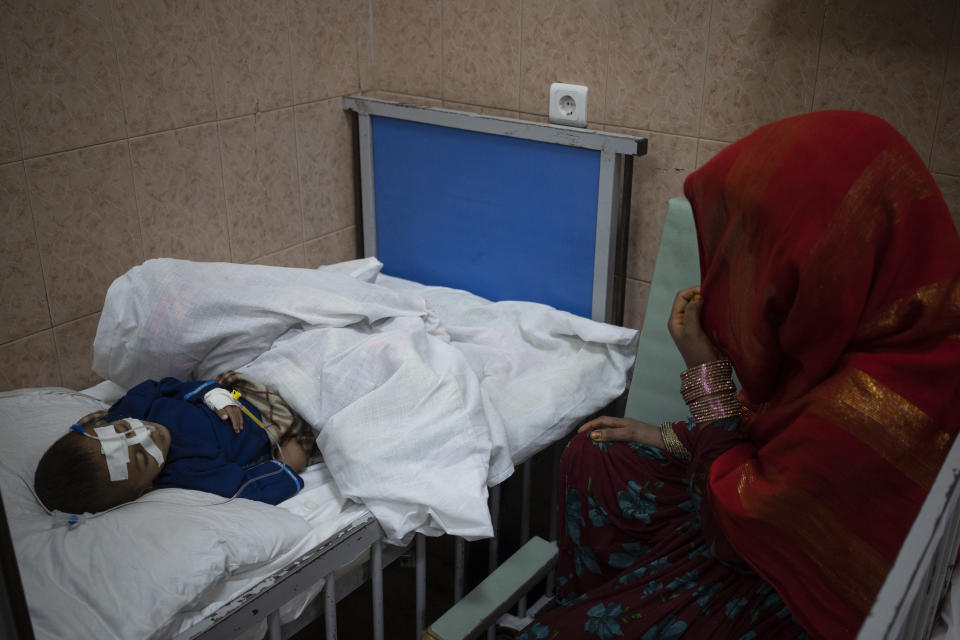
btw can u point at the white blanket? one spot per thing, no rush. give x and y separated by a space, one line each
415 418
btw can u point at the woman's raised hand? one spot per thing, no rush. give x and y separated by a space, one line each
686 331
622 430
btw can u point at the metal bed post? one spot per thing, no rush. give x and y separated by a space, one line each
526 471
376 581
495 519
557 452
459 560
494 546
421 581
273 626
330 607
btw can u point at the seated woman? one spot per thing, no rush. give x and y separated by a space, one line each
831 282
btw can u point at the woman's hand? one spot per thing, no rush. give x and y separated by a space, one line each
234 415
686 331
623 430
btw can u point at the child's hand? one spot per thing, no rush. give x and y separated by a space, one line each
686 331
294 456
233 413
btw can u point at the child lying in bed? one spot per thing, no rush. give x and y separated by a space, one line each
193 435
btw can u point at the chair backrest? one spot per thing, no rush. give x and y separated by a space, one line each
654 394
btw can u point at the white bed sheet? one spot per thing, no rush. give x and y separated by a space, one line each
88 581
422 397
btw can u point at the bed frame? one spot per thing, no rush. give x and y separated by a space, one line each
462 200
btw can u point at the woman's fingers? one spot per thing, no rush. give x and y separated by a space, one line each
680 302
603 421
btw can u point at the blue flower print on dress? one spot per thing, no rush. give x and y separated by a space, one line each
574 519
702 550
704 594
669 629
632 551
633 576
659 564
647 451
733 608
536 631
602 620
583 557
596 513
685 582
652 588
749 635
636 504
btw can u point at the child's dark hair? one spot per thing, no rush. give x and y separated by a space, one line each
69 478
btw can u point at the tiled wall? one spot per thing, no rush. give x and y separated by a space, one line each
132 129
212 129
689 75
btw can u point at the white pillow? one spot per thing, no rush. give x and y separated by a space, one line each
127 573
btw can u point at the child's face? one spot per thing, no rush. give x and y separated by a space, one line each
142 468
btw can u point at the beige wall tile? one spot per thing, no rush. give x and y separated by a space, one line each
261 184
75 352
657 53
180 194
86 219
946 146
365 54
706 149
324 36
251 55
64 73
30 362
336 247
564 41
635 305
25 301
761 64
408 46
888 59
292 257
9 134
950 188
326 150
481 52
165 61
657 177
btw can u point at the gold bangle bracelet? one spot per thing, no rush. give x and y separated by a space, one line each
672 443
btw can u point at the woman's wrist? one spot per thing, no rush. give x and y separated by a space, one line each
709 392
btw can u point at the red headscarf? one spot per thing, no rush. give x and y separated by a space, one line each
831 278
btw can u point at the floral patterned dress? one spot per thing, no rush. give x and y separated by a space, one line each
639 555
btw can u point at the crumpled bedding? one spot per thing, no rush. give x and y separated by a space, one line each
421 397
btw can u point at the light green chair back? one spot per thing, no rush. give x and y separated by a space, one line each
654 394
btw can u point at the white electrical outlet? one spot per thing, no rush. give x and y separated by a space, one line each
568 104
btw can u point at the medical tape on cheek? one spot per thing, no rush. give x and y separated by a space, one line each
144 437
116 450
116 446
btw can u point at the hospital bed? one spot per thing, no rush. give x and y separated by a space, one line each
452 203
920 598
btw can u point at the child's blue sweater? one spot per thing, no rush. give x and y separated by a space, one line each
205 453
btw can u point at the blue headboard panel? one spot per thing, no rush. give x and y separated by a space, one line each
527 208
506 209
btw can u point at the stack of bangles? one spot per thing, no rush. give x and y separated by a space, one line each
709 391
